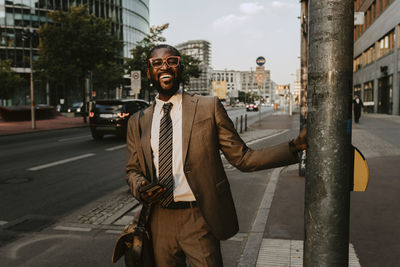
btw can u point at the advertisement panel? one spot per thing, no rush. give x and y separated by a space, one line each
219 89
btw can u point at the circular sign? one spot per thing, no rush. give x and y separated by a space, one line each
260 61
135 75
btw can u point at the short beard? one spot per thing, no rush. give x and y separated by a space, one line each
169 92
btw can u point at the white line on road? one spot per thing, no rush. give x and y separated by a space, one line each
266 137
3 223
68 228
113 231
73 138
61 162
115 147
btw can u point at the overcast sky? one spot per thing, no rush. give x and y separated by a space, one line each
239 31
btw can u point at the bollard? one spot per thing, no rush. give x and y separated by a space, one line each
245 122
241 123
236 123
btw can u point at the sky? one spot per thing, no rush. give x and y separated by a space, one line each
239 31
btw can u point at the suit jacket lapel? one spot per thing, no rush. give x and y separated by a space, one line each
145 125
189 104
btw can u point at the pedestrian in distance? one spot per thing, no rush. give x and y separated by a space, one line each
357 105
176 143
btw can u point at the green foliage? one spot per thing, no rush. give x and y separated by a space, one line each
74 45
246 97
9 80
140 52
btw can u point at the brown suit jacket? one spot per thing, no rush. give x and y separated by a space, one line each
207 129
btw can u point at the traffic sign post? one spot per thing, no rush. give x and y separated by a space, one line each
136 83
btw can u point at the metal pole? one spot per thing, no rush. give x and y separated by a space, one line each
241 123
245 122
329 155
33 119
303 78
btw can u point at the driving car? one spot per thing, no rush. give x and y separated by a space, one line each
111 116
251 107
76 107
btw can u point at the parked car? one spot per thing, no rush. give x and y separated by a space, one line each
251 107
76 107
111 116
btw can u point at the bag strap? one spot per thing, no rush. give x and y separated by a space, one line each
144 215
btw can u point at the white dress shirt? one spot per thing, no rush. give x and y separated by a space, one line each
182 191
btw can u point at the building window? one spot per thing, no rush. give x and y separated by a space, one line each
368 98
368 91
357 63
369 55
386 44
398 36
357 90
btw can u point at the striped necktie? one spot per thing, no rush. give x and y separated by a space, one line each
165 156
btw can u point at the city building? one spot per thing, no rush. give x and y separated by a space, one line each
232 81
376 55
250 84
201 50
244 81
130 22
297 88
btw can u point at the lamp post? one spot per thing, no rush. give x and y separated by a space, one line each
28 35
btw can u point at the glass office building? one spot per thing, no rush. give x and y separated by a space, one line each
130 23
130 19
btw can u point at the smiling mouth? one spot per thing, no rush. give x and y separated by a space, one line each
165 76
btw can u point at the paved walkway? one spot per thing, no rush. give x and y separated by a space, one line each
59 122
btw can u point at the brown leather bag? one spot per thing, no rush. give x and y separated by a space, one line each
135 243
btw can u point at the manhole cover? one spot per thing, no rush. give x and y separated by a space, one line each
17 180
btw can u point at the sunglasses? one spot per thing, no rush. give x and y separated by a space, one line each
171 61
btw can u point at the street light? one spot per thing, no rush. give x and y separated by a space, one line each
28 35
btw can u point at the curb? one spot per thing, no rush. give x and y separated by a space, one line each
253 244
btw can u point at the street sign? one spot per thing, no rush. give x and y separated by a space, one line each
358 18
135 82
260 69
260 61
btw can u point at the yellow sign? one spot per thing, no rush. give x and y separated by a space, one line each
219 89
361 172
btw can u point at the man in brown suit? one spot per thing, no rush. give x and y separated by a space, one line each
176 143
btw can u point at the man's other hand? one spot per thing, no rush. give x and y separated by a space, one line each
300 141
152 197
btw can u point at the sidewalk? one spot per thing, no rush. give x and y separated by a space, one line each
59 122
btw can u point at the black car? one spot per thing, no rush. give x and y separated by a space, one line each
76 107
111 116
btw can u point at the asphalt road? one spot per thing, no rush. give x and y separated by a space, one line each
49 174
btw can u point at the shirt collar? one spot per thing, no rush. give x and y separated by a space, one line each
176 100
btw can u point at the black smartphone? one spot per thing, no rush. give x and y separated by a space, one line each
150 187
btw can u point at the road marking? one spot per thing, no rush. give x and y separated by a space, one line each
113 231
253 244
279 252
115 147
68 228
3 223
61 162
73 138
266 137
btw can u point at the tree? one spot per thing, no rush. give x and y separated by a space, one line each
76 45
10 81
140 52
